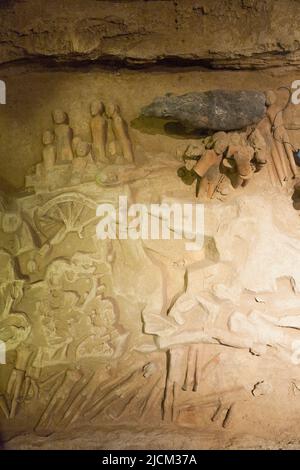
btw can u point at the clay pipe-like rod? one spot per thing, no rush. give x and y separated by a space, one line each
277 166
198 183
290 155
274 174
271 173
281 152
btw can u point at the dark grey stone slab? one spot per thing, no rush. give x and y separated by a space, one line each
216 110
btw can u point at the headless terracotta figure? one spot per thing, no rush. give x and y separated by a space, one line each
277 140
63 136
281 136
99 131
49 150
120 131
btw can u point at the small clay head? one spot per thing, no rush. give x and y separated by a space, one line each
97 107
82 149
221 142
270 97
220 147
235 138
112 109
48 137
59 116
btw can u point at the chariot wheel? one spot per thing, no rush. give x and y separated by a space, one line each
66 213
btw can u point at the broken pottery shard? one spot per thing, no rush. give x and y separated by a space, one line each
217 110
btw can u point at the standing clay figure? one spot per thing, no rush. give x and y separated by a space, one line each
282 164
280 134
120 131
99 131
49 150
63 136
83 156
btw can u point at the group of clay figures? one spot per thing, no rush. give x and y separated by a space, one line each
61 146
236 156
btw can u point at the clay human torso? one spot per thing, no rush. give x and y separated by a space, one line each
63 136
99 136
83 156
120 131
49 155
99 131
49 150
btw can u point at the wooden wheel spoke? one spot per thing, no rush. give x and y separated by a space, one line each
69 208
77 215
63 216
47 217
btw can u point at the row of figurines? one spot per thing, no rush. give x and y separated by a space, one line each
60 145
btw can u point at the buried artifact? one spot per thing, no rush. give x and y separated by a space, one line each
216 110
